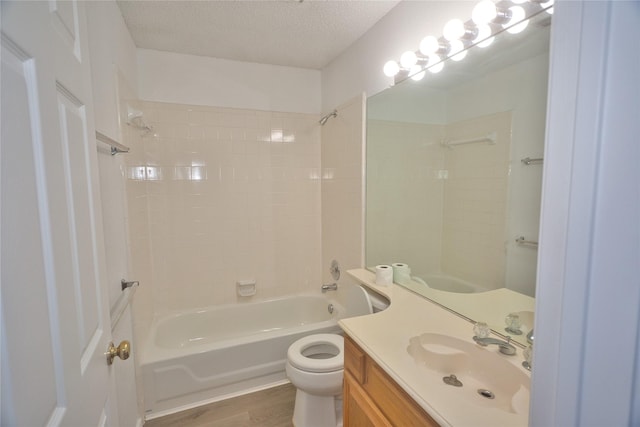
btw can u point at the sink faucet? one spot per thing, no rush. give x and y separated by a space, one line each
331 287
505 346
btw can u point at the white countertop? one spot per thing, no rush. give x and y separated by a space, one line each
385 337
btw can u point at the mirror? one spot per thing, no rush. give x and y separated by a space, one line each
449 189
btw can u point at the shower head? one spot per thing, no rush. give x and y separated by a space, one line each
324 119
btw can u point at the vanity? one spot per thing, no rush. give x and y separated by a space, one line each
395 362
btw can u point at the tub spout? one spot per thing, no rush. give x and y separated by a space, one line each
330 287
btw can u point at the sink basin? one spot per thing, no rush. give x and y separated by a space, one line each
478 368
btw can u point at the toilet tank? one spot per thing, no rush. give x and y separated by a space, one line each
361 301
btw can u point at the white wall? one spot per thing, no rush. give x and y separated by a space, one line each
112 50
425 105
197 80
359 68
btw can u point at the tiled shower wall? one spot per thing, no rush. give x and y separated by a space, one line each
474 219
227 195
453 200
342 192
404 161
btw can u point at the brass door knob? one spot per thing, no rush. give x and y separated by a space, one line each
122 351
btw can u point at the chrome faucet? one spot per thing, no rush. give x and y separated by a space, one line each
505 346
331 287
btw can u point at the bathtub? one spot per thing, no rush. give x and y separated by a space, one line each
201 356
448 283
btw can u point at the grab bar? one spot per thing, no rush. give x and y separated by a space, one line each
521 241
529 161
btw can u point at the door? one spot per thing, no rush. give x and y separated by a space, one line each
55 314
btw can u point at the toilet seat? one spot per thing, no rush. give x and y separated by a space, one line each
298 359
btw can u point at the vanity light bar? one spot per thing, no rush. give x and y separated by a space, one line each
487 19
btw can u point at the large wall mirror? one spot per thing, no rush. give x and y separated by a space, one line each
454 175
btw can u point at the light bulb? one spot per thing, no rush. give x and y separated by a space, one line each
485 41
547 6
435 64
429 45
416 72
484 12
484 32
391 68
453 30
457 52
408 59
517 15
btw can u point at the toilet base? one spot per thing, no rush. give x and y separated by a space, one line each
317 411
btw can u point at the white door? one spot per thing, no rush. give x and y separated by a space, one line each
55 314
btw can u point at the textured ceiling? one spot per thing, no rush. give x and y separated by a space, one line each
307 34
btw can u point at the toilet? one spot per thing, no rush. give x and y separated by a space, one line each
315 366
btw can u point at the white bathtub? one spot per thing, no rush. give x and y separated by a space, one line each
201 356
447 283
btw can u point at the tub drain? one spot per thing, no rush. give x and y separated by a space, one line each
486 393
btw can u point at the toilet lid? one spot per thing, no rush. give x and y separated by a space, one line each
297 350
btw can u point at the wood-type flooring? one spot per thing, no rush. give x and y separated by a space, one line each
272 407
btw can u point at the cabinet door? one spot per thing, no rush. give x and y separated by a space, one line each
394 402
359 409
373 398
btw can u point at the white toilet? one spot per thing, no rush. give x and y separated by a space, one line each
315 366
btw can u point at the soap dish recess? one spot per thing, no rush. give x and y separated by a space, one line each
246 288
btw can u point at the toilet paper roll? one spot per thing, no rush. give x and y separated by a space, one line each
384 275
401 273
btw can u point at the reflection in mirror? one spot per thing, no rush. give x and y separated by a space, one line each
449 187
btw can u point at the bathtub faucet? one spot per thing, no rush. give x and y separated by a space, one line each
331 287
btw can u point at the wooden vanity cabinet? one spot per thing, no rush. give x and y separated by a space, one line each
372 397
